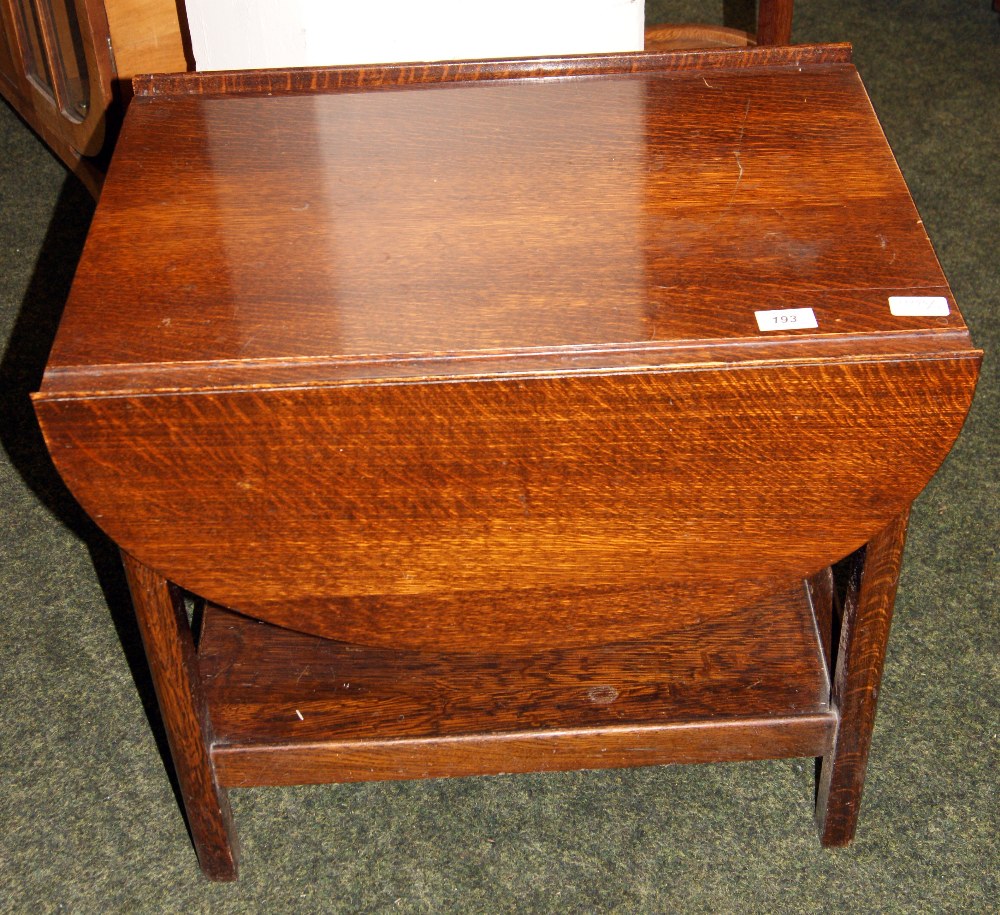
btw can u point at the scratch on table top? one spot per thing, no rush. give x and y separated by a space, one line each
739 148
739 163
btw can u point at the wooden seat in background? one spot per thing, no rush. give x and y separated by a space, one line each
774 27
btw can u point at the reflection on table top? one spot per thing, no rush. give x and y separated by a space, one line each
642 212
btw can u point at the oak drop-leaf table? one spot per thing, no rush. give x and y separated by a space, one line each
508 416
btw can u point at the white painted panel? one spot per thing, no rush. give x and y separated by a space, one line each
243 34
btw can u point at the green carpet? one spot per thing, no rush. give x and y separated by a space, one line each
89 819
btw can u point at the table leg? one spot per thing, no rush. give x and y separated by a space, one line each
774 22
864 632
173 664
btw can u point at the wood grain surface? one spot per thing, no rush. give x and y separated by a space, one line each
774 27
537 222
328 357
745 680
380 76
864 635
459 367
774 22
174 668
146 35
339 510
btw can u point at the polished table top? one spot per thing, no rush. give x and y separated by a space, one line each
582 250
634 218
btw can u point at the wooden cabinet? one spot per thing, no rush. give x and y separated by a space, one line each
63 62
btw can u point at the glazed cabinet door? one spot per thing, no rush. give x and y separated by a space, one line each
57 69
12 78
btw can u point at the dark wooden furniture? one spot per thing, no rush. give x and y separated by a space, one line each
56 71
773 26
60 61
508 415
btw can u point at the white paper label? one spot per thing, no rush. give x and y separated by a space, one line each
919 306
786 319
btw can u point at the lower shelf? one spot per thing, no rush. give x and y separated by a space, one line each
741 683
